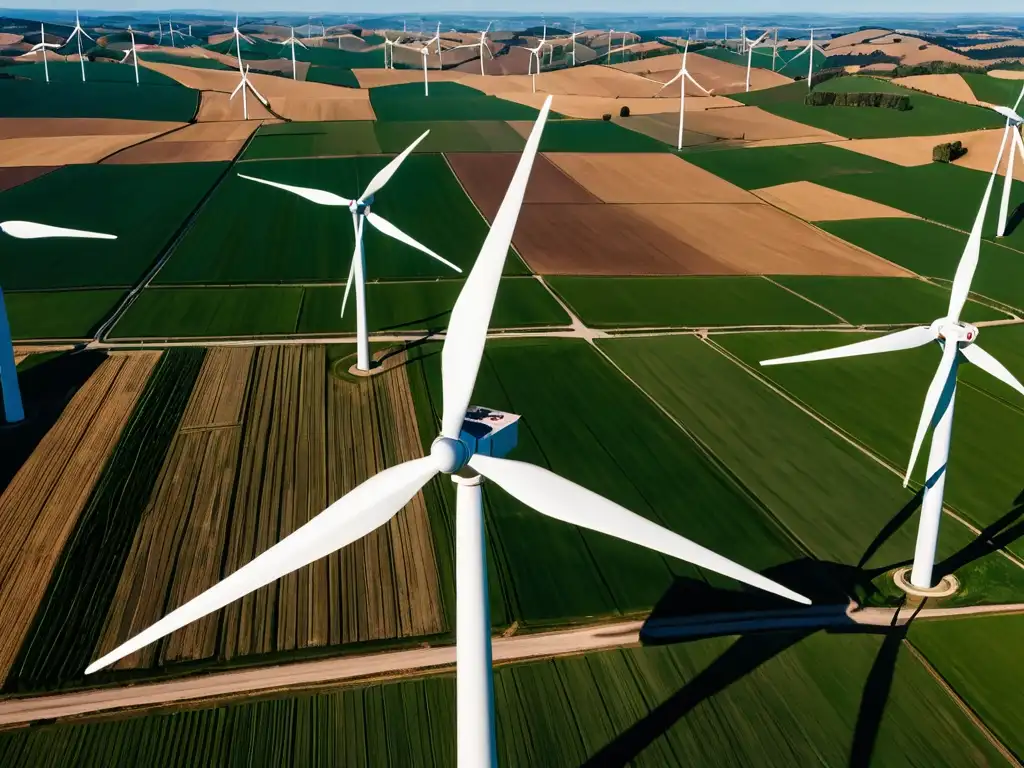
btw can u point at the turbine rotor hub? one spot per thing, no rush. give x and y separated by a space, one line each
450 455
958 332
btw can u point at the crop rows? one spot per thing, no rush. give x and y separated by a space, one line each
769 699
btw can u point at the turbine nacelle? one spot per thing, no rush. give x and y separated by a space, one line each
955 331
361 207
485 432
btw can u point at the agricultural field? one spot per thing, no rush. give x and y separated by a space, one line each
993 90
58 314
95 72
302 242
27 98
592 136
847 510
935 252
928 116
695 302
703 702
332 76
144 205
447 101
878 401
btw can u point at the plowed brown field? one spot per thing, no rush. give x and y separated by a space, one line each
12 177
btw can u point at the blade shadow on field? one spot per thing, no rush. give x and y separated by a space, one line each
996 536
891 528
1014 220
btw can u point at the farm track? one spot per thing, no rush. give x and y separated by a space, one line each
224 686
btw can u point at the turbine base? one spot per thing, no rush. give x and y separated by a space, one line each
948 585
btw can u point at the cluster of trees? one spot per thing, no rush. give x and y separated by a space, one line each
862 59
948 152
897 101
936 68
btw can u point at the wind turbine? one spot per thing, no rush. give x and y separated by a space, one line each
1011 133
77 33
956 338
809 49
471 447
242 86
238 41
750 54
41 47
133 53
293 40
535 54
572 41
360 209
682 76
389 45
483 47
14 411
425 52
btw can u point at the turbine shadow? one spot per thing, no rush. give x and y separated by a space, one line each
1014 220
890 528
999 535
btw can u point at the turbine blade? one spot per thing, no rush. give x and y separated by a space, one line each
891 342
673 80
467 329
384 174
241 84
802 52
1020 97
256 93
318 196
991 366
30 230
931 403
385 227
563 500
363 509
690 78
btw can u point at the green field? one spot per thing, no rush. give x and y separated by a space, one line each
253 233
590 425
322 139
977 656
182 312
339 59
447 101
596 136
58 314
768 166
762 59
144 205
882 300
933 250
846 509
928 116
199 62
95 72
765 700
695 302
29 98
332 76
522 302
451 136
993 90
877 399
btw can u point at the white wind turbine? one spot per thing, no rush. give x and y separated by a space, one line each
14 411
425 52
361 213
133 53
957 339
389 51
1011 133
471 447
535 55
752 44
243 85
572 41
484 48
682 76
293 40
809 49
239 37
77 34
41 48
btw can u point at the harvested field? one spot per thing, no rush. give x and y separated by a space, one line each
64 150
947 86
217 106
644 178
45 127
220 392
485 177
375 78
1007 74
594 107
758 239
753 124
178 152
239 130
40 507
578 81
12 177
813 202
720 77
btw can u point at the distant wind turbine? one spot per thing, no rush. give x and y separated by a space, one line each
572 41
1011 134
77 34
239 37
471 446
809 49
41 48
535 55
360 208
484 47
958 340
389 51
424 51
244 85
750 53
133 53
682 76
293 40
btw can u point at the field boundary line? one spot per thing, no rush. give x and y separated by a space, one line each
809 301
116 152
841 433
966 708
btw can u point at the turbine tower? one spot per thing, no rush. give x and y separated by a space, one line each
471 447
244 85
484 48
535 54
957 340
425 52
133 53
361 213
572 41
809 49
77 34
682 76
1011 133
292 41
14 411
239 37
751 45
41 47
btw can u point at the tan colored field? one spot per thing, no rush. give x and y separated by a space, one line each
19 358
853 38
646 178
268 440
178 152
813 202
217 106
759 239
1007 74
238 130
41 127
908 151
63 150
948 86
720 77
752 124
374 78
40 507
908 51
991 45
8 39
578 81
